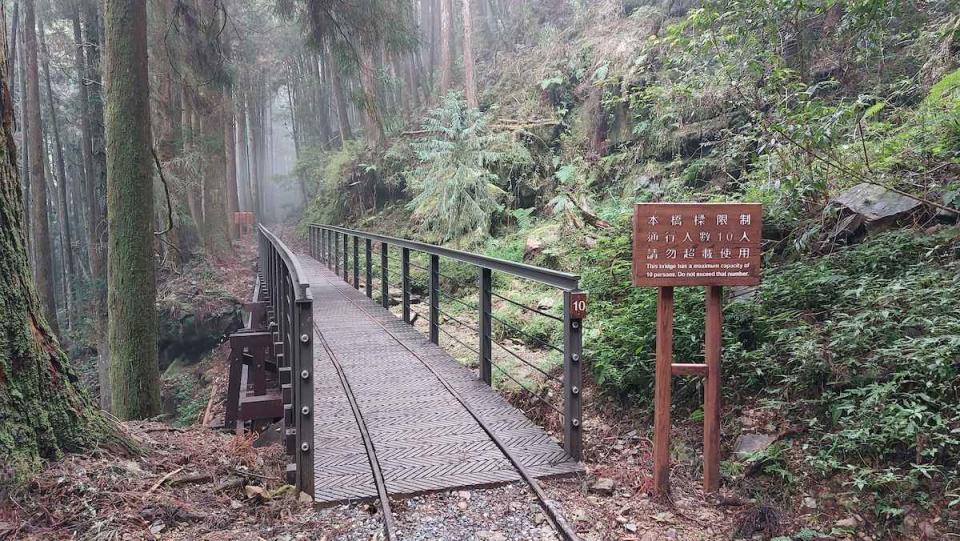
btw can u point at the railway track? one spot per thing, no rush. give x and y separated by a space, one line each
553 514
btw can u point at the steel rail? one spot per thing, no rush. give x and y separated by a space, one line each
553 514
389 525
550 277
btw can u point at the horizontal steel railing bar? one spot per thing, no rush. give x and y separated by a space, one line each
550 277
527 389
528 335
525 307
292 263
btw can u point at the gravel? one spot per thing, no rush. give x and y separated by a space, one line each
508 512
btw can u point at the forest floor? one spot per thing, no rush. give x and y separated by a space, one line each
198 483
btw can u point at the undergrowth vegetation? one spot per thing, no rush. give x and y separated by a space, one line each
852 345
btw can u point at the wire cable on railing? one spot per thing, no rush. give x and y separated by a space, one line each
521 359
528 335
457 340
528 363
461 302
462 324
525 307
527 389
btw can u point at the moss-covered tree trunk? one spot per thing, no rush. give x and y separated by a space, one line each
132 292
42 414
43 255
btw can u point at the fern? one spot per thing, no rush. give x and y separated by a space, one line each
455 184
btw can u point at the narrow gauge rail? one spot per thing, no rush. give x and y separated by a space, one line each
559 523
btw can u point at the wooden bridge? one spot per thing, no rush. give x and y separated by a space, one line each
371 406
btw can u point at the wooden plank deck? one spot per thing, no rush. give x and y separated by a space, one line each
424 438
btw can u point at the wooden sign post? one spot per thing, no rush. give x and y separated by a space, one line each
693 244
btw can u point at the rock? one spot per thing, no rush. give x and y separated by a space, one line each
497 536
462 506
539 519
539 239
305 498
877 205
580 515
603 486
809 503
650 535
747 444
630 527
464 495
848 523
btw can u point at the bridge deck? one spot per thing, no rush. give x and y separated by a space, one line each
423 436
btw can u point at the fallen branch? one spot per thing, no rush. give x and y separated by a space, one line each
162 480
192 478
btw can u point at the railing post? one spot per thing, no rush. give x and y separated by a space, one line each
346 258
384 276
326 246
303 376
435 298
405 281
486 325
336 252
572 380
356 262
368 246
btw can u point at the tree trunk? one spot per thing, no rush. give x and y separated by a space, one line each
134 369
372 127
230 146
96 193
35 376
246 200
446 46
339 95
469 83
38 181
63 213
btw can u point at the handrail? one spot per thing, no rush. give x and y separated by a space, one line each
297 273
331 245
290 310
558 279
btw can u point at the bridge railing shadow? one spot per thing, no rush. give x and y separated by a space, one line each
350 253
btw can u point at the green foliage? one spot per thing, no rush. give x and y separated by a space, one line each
329 171
456 183
862 345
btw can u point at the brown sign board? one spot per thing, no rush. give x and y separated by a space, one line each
696 244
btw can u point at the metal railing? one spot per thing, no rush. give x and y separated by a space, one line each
331 245
290 312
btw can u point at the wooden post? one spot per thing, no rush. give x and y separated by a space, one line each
662 390
711 395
